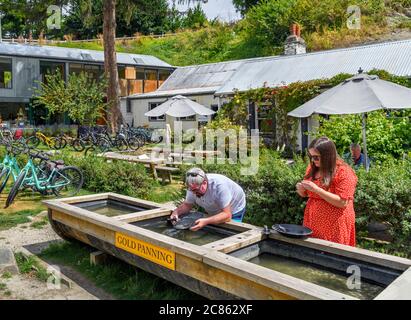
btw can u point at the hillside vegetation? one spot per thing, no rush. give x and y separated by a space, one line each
265 27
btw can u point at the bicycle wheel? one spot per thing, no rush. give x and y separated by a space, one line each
4 178
142 137
33 142
156 140
103 145
71 179
15 189
89 151
121 144
57 143
78 145
63 142
135 143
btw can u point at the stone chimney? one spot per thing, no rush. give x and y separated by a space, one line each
294 43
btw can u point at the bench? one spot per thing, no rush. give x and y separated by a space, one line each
165 172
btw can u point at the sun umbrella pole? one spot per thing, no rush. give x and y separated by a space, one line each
364 139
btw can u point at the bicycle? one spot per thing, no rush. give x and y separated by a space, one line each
77 144
48 177
9 167
51 142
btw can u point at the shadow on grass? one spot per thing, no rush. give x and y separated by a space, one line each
117 278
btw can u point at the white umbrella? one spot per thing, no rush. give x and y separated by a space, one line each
178 107
359 94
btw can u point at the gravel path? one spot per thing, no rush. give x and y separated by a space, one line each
27 286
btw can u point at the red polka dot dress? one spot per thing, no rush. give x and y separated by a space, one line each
327 221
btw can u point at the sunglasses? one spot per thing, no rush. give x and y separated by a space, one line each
314 158
193 174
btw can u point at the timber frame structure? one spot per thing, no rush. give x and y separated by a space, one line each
213 270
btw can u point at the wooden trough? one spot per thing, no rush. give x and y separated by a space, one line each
218 269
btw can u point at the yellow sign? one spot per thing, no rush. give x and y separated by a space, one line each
146 250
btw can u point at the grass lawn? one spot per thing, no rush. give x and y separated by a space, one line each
121 280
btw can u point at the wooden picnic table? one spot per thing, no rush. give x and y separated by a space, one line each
155 164
152 162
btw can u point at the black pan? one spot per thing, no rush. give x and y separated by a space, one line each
186 221
292 230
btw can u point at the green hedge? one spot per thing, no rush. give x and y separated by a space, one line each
382 195
118 177
271 195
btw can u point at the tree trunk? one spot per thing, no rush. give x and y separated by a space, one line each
114 116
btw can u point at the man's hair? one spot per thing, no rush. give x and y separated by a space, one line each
355 146
195 176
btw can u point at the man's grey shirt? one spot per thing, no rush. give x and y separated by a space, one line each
221 192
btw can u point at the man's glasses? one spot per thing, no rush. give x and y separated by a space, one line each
192 174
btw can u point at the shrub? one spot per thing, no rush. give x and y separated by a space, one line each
118 177
382 195
271 195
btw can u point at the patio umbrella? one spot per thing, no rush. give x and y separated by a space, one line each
178 107
360 94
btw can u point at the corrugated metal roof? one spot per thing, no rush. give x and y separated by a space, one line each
201 76
242 75
60 53
172 93
394 57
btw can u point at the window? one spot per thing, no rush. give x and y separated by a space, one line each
150 81
93 71
75 68
49 67
151 106
128 105
136 86
163 76
6 67
190 118
214 107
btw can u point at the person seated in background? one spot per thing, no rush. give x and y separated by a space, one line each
356 158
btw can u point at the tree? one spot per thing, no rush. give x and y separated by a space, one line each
25 18
244 5
146 16
196 18
81 98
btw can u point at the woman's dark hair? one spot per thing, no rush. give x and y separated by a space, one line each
328 152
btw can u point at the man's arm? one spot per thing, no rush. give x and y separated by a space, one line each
219 218
185 207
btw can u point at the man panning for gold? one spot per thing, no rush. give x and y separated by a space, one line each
221 198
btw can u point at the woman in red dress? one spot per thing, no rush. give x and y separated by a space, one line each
329 184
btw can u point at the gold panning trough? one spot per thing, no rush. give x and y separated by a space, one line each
230 261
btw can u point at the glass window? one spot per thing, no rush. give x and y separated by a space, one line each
151 106
93 71
48 67
128 104
151 81
163 75
121 72
75 68
6 67
140 74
